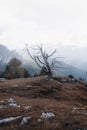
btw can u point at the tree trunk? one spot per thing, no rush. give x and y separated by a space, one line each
49 73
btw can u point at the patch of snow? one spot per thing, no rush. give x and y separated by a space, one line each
63 80
27 107
39 120
9 119
28 86
2 106
2 79
47 115
11 100
77 108
1 101
15 85
14 105
25 120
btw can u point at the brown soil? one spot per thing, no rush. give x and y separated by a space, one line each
33 96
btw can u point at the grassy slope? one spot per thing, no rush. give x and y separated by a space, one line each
68 101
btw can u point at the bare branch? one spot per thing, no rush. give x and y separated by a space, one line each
35 48
37 63
52 53
29 52
40 61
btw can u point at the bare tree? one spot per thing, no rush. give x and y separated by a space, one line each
42 59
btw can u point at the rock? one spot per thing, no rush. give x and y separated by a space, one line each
25 120
47 115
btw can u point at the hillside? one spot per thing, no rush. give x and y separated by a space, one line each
32 68
6 55
71 70
38 104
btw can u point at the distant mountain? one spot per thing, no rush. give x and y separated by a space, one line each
74 55
6 55
70 70
33 69
65 70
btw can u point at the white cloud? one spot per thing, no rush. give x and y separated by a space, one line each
43 21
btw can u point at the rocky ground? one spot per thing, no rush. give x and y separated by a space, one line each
38 104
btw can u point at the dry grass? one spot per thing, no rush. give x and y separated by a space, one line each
68 101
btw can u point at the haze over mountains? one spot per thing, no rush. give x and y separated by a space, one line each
6 55
74 55
74 60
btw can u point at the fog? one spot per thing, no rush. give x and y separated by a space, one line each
56 24
73 55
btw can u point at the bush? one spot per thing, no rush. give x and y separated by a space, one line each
14 69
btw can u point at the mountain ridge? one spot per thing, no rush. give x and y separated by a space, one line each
33 69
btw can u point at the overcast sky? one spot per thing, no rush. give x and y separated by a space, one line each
43 21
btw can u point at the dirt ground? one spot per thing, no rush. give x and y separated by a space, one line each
38 104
